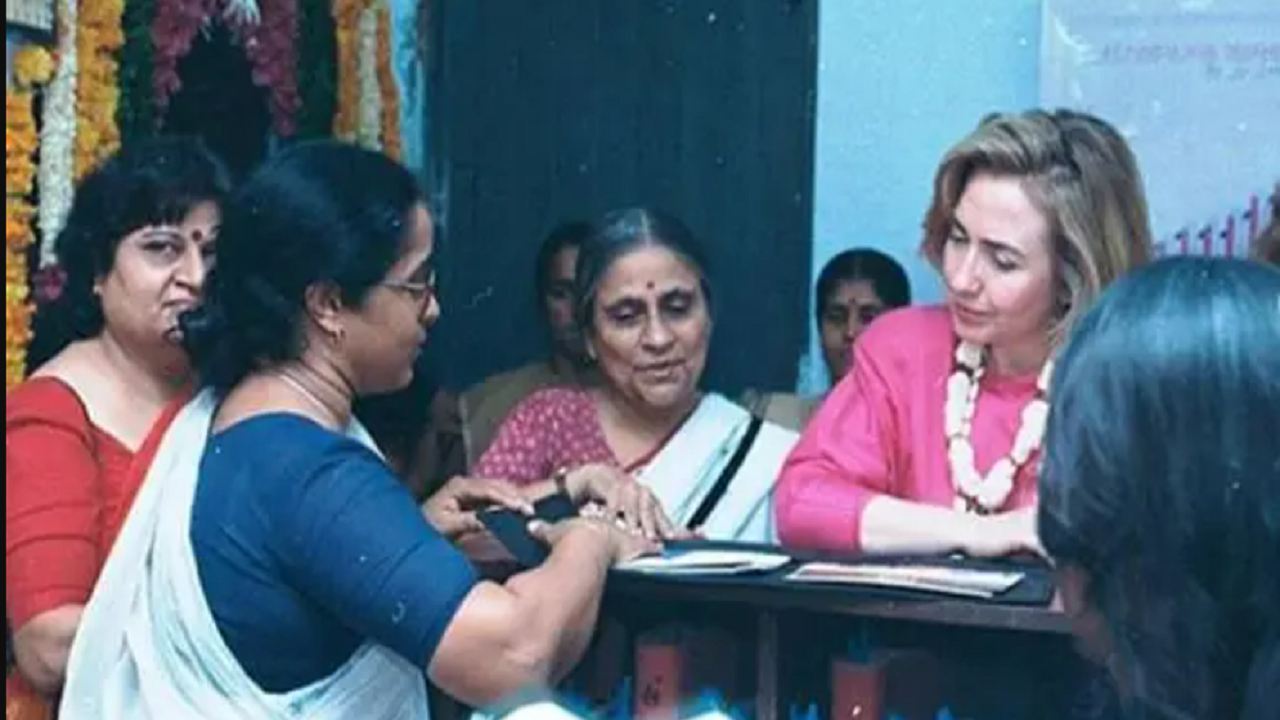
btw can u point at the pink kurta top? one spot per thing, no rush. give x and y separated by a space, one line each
881 432
551 429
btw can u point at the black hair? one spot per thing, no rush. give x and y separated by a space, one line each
565 235
619 233
318 212
1161 481
884 273
151 181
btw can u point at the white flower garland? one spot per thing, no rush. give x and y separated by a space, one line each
974 492
58 138
369 127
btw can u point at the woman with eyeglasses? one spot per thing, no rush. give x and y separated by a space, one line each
274 566
930 443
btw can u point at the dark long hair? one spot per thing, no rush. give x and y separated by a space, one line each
152 181
620 232
319 212
1161 481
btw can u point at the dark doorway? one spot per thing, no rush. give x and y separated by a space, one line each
556 110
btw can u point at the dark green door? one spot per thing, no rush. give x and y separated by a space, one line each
544 111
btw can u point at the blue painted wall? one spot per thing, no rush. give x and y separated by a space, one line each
899 81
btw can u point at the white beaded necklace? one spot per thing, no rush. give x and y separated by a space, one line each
975 493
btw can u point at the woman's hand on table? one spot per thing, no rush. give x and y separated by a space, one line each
1008 533
453 509
612 494
623 545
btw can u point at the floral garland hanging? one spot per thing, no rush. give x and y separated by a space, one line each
370 111
173 31
58 137
32 66
99 36
268 34
346 20
390 90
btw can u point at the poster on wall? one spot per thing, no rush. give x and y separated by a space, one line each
1195 88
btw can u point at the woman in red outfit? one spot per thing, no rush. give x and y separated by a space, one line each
110 375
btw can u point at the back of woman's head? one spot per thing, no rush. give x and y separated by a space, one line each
150 182
1161 482
1080 173
317 213
618 234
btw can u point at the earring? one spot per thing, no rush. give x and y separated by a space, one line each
338 335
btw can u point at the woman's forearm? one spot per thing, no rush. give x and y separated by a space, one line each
893 526
562 597
528 632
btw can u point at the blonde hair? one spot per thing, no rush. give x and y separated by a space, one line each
1080 173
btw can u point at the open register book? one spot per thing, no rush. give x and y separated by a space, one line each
707 562
962 582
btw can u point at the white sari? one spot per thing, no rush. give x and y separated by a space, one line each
148 649
686 469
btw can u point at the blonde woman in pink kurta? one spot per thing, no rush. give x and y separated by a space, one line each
930 444
880 432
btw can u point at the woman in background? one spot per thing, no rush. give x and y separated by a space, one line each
929 445
485 406
109 374
1160 491
854 288
645 309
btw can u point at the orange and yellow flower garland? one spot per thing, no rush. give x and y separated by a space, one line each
99 37
32 66
352 90
391 144
346 21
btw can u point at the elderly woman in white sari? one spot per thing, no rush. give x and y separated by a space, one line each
645 311
273 566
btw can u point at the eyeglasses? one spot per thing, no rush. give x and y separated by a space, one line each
422 292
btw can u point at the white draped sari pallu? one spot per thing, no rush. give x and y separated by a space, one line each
687 468
148 649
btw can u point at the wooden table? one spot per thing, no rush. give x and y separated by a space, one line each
791 622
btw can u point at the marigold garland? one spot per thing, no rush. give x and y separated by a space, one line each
391 140
32 66
346 20
98 37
